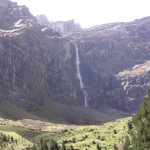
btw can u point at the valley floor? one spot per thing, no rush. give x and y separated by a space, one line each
75 126
28 132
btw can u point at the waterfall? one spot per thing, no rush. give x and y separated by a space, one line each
14 76
13 70
86 104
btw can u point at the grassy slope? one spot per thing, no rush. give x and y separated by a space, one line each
81 137
59 113
21 142
135 72
28 131
11 111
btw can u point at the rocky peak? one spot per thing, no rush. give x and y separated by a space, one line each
11 13
42 20
63 27
66 27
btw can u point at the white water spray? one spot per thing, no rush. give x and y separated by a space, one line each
86 103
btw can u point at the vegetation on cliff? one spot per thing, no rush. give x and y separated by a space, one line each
139 128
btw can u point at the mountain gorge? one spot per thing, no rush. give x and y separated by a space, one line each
38 64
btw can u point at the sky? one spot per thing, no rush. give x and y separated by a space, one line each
89 12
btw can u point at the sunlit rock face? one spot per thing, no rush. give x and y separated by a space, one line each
39 64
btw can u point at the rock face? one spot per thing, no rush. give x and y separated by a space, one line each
63 27
11 13
37 64
42 20
127 89
66 27
107 51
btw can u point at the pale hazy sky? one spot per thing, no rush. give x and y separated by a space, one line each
89 12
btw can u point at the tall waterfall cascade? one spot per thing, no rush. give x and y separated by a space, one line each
13 71
79 76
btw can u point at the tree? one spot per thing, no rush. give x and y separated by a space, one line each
139 130
115 147
33 147
98 147
127 144
41 144
12 139
63 146
54 145
71 147
45 146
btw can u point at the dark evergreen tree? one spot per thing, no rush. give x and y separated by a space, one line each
16 141
45 146
98 147
127 143
54 145
34 147
71 147
63 146
139 128
115 147
41 144
12 139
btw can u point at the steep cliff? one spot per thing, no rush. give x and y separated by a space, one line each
38 65
110 50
